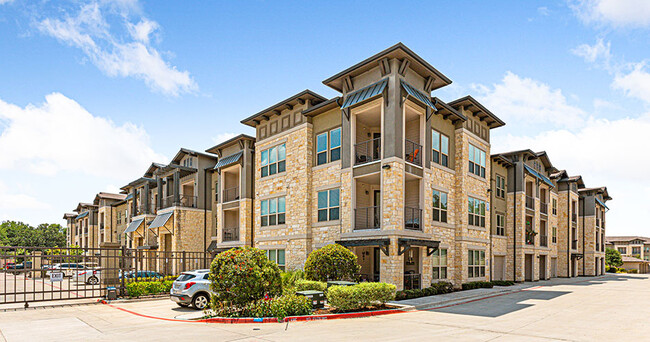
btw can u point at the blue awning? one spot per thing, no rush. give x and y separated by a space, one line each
82 215
364 94
130 196
133 226
231 159
601 203
539 176
417 94
160 220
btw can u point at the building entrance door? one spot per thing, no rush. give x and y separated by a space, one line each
542 267
528 265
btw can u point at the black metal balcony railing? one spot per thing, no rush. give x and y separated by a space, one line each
231 194
574 244
530 202
367 218
101 226
597 222
412 218
574 218
367 151
412 281
543 240
183 201
413 152
364 277
231 234
543 208
597 246
530 238
168 201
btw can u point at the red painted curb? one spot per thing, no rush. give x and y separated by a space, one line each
228 320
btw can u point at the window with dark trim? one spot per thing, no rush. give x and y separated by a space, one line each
277 256
328 146
501 187
501 224
440 147
476 212
476 161
328 205
439 206
273 211
274 160
439 264
554 205
475 264
554 238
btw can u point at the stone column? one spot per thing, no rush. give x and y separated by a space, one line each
145 200
177 180
109 264
159 185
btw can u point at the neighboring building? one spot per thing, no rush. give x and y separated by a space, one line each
85 224
107 216
631 246
402 178
633 263
71 231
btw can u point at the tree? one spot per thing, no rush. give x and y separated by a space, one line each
332 262
613 257
15 233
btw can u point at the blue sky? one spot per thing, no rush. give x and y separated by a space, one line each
136 80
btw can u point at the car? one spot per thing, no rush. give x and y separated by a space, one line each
88 276
10 265
68 269
23 265
192 289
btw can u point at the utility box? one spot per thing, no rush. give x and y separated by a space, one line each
111 293
340 283
317 298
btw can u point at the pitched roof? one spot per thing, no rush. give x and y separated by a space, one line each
610 239
186 151
277 108
215 149
399 51
632 259
323 107
481 112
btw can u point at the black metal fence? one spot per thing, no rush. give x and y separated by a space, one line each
36 274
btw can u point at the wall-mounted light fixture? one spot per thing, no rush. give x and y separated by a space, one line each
386 167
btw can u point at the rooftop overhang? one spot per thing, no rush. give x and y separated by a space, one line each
187 152
136 183
323 107
171 168
546 161
477 109
81 206
152 169
447 111
398 51
240 140
501 160
69 216
289 103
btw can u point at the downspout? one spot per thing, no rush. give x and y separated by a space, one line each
568 219
491 224
514 228
205 209
584 256
252 179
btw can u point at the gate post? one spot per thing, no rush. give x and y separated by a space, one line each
37 265
109 264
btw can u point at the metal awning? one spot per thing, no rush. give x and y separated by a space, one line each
411 91
577 256
404 244
381 243
539 176
231 159
133 226
130 196
601 203
364 94
160 221
82 215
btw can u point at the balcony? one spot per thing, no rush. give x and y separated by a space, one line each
101 226
231 194
183 201
367 151
543 208
413 152
412 218
230 234
530 202
597 246
574 218
597 222
530 237
367 218
574 244
543 240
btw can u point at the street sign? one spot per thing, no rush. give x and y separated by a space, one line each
56 276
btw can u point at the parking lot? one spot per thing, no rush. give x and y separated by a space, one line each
31 287
612 307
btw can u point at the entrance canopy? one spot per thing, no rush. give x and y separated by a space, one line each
404 244
133 226
161 220
381 243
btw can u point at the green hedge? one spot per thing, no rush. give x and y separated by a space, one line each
145 288
304 285
435 288
280 307
332 262
477 285
633 270
502 282
356 297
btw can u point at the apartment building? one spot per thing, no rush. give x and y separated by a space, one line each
71 231
630 246
404 179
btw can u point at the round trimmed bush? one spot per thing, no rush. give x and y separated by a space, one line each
240 276
332 262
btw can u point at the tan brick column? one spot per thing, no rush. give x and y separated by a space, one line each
109 264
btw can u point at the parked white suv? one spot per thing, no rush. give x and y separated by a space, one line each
68 269
192 288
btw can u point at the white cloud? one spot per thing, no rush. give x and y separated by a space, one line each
2 2
14 201
616 13
223 137
525 101
599 53
635 83
61 136
130 56
544 11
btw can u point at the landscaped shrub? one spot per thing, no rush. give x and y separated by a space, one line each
145 288
611 269
621 270
241 276
502 282
280 307
477 285
304 285
289 278
332 262
633 270
441 287
350 298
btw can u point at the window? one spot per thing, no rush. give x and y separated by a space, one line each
277 256
476 264
636 250
622 250
440 264
328 205
439 206
333 145
501 224
554 204
476 212
476 161
440 144
273 211
554 235
501 187
273 160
